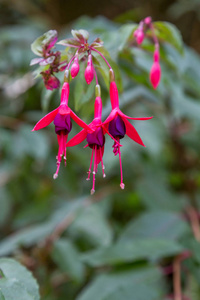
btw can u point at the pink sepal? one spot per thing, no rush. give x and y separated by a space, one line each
65 93
114 97
78 138
46 120
111 116
132 133
127 117
79 121
64 109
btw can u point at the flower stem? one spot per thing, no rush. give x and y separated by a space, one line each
93 49
177 278
194 222
95 75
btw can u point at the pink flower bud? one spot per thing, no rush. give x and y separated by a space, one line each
140 37
147 20
156 56
135 33
89 74
74 69
155 74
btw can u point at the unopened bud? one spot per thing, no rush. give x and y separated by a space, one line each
140 37
75 68
135 33
147 20
89 73
155 74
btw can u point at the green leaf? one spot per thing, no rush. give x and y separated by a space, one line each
66 256
38 45
92 226
159 197
169 33
1 296
155 224
18 282
5 204
137 284
80 34
139 249
37 233
69 42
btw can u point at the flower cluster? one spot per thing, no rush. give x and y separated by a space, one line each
139 34
116 125
43 46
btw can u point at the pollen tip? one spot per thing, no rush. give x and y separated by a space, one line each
55 176
92 192
94 172
104 175
87 179
122 185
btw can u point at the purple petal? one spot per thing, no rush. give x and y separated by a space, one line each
117 127
62 123
96 138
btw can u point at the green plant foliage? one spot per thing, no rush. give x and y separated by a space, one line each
38 45
17 282
138 284
114 245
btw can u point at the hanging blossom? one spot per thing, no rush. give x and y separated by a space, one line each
95 137
139 34
61 117
118 125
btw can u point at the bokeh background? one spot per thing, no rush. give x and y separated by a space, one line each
118 244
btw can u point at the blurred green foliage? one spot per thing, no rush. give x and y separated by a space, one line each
117 244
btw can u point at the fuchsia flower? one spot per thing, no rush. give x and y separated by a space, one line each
63 125
118 126
95 137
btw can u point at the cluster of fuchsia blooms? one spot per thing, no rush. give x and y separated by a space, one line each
117 124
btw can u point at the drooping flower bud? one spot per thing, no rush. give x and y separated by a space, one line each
135 33
155 74
75 68
147 20
140 37
89 71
